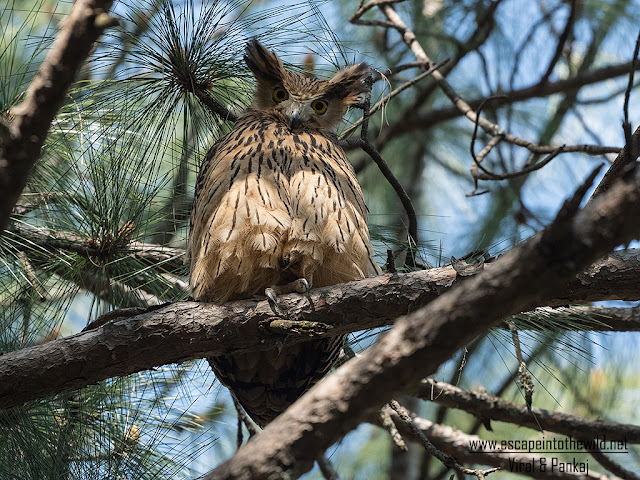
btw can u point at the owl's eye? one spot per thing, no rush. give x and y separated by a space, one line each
280 95
319 106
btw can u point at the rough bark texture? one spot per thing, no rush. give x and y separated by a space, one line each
188 330
488 407
44 97
420 342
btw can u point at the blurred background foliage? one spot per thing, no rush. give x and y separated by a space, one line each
103 221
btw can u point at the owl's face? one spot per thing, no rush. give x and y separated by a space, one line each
300 102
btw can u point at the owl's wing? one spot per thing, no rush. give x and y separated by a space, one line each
240 213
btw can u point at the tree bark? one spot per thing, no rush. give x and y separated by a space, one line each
489 407
188 330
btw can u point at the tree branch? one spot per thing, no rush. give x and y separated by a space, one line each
619 164
419 342
491 407
461 446
423 121
447 460
188 330
45 95
463 107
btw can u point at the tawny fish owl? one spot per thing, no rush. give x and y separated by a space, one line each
277 204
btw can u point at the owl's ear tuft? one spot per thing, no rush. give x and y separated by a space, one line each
265 65
349 84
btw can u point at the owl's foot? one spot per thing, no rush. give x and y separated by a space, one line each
301 285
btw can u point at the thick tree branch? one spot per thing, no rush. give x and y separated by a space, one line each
45 95
418 343
188 330
490 407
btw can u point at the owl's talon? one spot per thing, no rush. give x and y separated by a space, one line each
301 285
272 298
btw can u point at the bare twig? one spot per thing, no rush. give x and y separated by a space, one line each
626 124
612 466
488 175
528 38
364 143
494 140
388 174
393 94
368 6
568 28
447 460
243 419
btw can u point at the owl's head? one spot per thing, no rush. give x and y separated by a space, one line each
298 101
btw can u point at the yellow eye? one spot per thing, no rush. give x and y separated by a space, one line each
319 106
280 95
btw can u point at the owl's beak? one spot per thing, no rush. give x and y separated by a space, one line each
294 119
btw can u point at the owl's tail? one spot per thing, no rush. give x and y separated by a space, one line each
267 382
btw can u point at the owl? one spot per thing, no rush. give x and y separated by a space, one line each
277 206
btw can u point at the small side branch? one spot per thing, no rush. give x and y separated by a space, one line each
486 406
365 7
631 150
447 460
460 444
391 178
